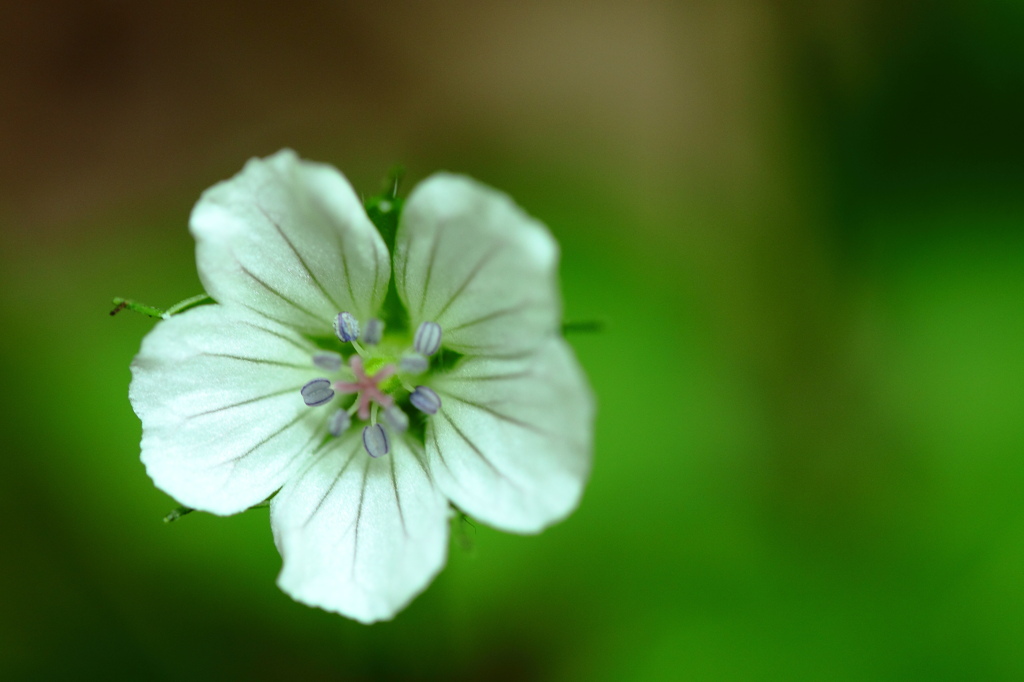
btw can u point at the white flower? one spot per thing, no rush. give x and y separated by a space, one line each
307 379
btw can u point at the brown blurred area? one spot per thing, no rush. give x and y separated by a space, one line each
105 99
110 99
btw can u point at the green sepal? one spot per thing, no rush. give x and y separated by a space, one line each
385 208
385 212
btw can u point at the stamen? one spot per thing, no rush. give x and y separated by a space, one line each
373 332
317 392
428 338
398 420
425 399
339 423
346 327
414 363
375 440
328 361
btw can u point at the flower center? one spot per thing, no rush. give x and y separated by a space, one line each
378 378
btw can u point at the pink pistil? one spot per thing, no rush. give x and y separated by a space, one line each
366 386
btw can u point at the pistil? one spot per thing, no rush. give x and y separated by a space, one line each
368 387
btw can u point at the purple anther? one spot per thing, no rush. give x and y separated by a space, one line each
397 419
375 440
317 392
414 363
346 327
327 361
428 338
425 399
373 332
339 423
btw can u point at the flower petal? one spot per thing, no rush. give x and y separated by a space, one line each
360 536
223 422
469 259
511 443
289 239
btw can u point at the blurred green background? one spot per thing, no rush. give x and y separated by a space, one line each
801 222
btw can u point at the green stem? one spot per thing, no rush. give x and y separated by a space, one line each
152 311
136 307
193 302
177 514
460 535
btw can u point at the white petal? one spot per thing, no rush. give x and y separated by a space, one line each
223 422
469 259
511 444
360 536
289 239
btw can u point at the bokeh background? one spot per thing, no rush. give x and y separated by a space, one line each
800 221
